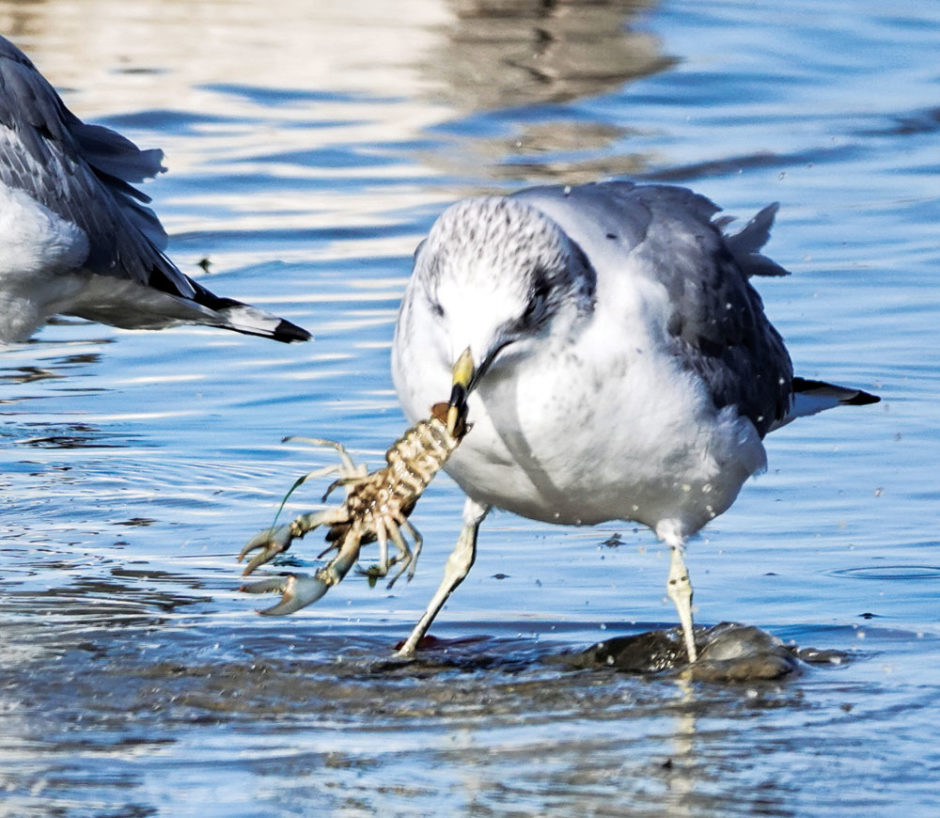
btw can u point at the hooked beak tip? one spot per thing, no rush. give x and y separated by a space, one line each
463 374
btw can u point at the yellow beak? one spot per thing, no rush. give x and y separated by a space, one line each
463 373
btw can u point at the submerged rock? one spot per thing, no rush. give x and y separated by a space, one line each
728 652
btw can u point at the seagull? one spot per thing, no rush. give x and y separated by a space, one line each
75 235
606 345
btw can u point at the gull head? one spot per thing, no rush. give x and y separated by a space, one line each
498 277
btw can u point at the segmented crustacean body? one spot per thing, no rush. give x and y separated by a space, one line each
412 463
376 508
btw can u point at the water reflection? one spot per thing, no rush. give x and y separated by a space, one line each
505 53
50 367
501 55
470 54
301 719
27 374
433 63
71 436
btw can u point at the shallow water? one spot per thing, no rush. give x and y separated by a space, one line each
309 147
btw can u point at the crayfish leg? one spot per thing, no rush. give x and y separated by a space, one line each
409 557
418 543
347 466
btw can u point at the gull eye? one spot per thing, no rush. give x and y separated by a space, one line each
536 305
437 309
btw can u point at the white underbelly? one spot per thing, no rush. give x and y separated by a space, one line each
40 259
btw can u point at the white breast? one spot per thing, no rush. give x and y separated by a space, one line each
592 430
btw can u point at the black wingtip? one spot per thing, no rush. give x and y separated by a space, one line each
288 333
845 395
246 319
862 398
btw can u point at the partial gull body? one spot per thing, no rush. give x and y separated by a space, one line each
75 236
611 355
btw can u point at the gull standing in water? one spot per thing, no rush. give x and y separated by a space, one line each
611 355
75 235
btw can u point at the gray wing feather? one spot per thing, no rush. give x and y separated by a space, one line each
83 173
744 246
718 327
614 211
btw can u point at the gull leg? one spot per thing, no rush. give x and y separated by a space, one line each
679 590
458 566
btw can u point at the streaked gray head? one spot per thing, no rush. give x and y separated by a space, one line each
496 272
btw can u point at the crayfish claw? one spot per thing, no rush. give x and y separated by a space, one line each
263 586
274 541
297 591
375 509
271 541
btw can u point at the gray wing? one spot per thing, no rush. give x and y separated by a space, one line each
83 173
718 328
